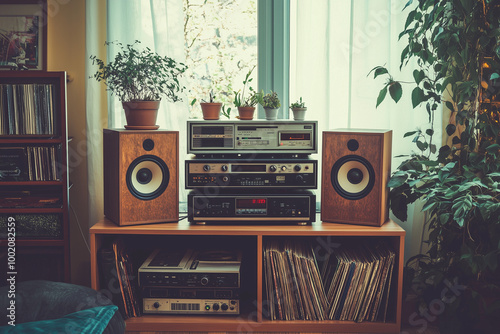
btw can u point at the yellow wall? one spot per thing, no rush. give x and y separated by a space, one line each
66 52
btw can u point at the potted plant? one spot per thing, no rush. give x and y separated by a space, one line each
140 78
211 110
246 105
456 46
271 104
299 110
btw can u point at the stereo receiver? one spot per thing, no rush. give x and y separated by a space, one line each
297 207
252 137
252 173
190 306
189 268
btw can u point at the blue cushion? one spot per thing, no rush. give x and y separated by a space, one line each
88 321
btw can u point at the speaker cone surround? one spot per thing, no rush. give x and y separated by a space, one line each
147 177
352 177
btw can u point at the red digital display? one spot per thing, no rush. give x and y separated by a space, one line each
251 203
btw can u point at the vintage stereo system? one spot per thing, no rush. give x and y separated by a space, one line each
257 137
185 281
251 173
234 161
297 206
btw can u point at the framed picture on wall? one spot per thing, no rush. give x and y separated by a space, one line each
23 35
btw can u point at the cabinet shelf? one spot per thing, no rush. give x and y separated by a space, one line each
33 125
38 242
13 211
252 317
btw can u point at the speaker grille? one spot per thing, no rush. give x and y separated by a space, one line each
352 177
147 177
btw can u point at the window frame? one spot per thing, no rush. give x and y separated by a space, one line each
273 17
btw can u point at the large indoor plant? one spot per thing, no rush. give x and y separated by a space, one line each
140 78
456 46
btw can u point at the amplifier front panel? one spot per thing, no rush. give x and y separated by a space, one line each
256 173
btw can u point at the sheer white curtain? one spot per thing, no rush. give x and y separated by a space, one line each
333 47
157 24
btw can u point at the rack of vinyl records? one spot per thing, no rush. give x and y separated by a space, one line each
350 283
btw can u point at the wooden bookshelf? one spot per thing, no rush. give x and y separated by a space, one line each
38 255
252 317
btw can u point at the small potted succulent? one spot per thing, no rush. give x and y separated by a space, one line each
271 104
299 110
246 105
140 79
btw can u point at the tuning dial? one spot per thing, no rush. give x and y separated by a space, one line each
297 168
206 168
224 307
215 307
204 280
156 305
224 168
272 168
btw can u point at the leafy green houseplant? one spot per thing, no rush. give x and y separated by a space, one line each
135 76
456 45
246 104
271 103
298 109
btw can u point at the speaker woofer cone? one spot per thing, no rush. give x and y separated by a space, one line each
352 177
147 177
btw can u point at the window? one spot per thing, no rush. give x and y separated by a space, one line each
221 47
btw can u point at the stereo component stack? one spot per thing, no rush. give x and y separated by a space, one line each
251 171
187 281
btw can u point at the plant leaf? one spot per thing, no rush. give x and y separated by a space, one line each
396 91
381 96
417 96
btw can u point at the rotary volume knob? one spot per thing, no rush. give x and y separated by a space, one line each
206 168
272 168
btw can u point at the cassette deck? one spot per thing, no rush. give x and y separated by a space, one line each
252 137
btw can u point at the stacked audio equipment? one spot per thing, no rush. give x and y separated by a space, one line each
356 167
252 171
141 182
187 281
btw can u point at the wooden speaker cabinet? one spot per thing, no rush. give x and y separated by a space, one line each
355 170
141 176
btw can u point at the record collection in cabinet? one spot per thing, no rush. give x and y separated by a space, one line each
34 179
325 240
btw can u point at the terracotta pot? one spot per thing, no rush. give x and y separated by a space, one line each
299 113
211 111
141 115
246 113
